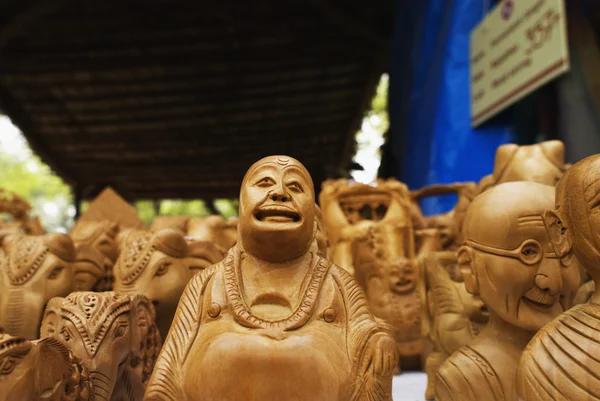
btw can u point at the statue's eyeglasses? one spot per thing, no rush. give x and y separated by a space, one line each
530 252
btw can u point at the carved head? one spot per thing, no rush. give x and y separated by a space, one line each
401 276
214 229
100 234
507 257
40 370
35 269
574 222
114 335
277 209
155 265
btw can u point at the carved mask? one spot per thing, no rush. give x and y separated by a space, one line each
277 209
36 269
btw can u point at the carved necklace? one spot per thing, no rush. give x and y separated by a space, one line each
244 316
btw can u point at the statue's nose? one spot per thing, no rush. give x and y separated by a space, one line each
279 194
549 277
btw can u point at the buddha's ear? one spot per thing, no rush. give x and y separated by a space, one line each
466 259
560 236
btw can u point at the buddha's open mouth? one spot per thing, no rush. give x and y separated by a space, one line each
277 215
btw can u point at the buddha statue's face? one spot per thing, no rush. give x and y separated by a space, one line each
277 209
513 265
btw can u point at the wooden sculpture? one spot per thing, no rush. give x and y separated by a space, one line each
21 222
92 270
34 269
451 316
99 234
274 320
213 229
350 208
42 370
391 289
507 259
561 361
157 266
114 335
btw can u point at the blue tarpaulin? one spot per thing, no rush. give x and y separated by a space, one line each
431 130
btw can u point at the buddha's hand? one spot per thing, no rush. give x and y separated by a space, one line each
384 355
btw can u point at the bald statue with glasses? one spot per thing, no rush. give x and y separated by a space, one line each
507 260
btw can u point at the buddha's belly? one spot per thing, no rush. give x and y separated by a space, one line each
251 367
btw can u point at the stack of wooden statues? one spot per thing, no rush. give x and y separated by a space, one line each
293 301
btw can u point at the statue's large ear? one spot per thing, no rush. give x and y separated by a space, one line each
51 319
466 259
560 236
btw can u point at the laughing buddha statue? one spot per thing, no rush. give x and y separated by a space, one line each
274 320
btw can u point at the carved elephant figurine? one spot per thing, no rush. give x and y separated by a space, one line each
114 335
34 270
41 370
92 269
102 235
156 265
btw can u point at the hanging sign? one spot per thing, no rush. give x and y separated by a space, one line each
518 47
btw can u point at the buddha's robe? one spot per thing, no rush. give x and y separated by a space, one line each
562 361
218 349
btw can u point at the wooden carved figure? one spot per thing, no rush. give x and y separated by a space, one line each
391 289
92 270
350 208
157 266
561 361
34 269
99 234
42 370
451 316
274 320
508 260
114 335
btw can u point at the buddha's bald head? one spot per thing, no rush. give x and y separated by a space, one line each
504 215
277 209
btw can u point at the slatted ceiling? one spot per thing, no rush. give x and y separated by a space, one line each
177 98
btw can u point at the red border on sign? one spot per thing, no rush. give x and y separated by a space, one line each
517 91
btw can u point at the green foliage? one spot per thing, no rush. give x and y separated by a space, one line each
26 175
228 208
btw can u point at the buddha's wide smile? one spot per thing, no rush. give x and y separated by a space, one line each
277 214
